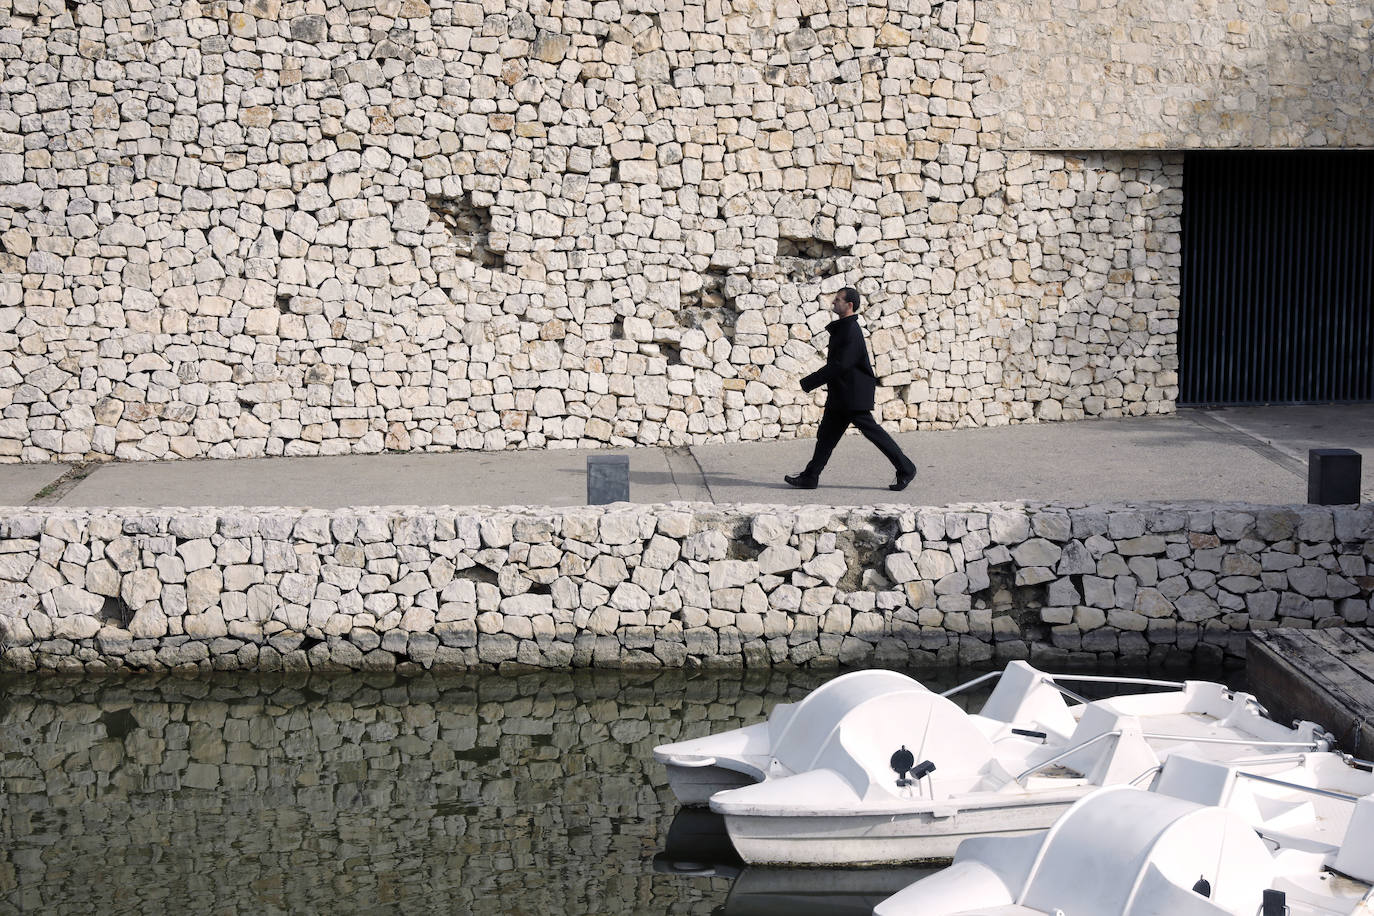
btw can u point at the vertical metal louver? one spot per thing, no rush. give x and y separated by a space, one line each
1277 298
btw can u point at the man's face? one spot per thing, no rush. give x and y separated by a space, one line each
839 306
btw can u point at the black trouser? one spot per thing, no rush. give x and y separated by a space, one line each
833 425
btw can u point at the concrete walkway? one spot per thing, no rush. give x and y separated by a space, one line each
1246 454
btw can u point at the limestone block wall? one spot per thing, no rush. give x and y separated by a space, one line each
670 586
1179 74
279 227
280 796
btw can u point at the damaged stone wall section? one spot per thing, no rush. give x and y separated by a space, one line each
670 351
803 260
116 612
712 302
1023 605
470 226
708 312
866 546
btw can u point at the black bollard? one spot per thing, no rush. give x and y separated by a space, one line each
608 479
1333 476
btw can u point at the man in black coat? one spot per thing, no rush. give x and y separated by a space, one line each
849 380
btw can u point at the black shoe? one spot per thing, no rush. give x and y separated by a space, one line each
903 478
802 482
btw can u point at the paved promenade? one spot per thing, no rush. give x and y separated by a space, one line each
1247 454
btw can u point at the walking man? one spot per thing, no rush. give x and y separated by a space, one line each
849 380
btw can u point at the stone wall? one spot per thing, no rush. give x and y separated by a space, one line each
685 584
339 795
253 227
1179 74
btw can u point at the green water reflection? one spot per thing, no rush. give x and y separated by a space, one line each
483 794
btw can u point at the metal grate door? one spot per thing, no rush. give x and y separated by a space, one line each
1277 300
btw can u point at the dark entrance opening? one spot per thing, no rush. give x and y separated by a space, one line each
1278 278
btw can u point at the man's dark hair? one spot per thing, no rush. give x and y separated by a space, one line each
851 295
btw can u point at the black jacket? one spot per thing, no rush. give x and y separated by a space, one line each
847 373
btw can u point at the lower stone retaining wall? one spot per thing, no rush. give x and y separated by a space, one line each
670 585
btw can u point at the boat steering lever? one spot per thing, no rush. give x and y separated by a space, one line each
908 771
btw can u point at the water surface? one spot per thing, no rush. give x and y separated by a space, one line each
481 794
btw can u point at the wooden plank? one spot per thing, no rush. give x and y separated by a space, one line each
1335 668
1328 660
1347 700
1362 635
1326 676
1358 656
1311 652
1331 661
1283 686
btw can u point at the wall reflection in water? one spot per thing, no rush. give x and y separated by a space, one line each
483 794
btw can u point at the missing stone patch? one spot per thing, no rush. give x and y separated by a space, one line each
1005 598
671 352
470 227
116 612
712 302
664 341
742 545
867 547
479 574
807 259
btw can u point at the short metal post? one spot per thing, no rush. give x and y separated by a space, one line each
608 479
1333 476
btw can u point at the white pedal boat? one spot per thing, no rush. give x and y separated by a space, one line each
697 846
1279 838
829 795
784 745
